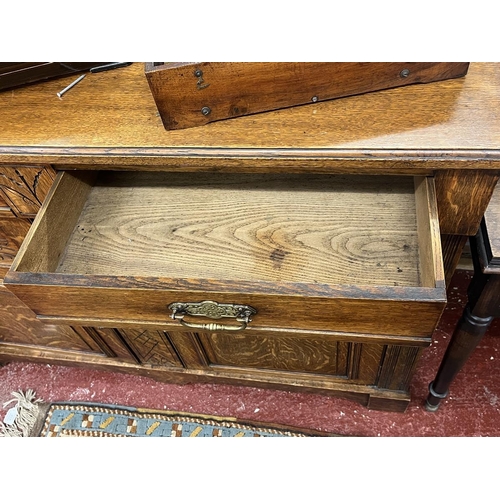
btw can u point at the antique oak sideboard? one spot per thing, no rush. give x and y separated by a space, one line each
301 249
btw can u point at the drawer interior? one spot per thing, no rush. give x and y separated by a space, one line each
361 230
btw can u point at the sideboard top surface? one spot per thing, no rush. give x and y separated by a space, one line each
113 115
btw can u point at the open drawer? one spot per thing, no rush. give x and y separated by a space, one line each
230 251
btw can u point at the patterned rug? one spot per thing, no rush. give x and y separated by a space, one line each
31 417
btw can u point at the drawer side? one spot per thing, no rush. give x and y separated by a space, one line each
429 237
47 238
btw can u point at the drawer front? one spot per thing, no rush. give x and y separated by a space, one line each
93 304
330 253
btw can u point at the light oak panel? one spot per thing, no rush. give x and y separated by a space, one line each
266 228
113 110
315 354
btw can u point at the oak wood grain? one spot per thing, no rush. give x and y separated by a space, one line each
452 248
151 347
176 333
397 367
107 340
328 364
410 314
315 354
12 233
19 325
429 240
111 122
111 118
188 346
5 210
464 197
267 228
50 231
309 354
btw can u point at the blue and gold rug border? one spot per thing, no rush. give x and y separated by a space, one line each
80 419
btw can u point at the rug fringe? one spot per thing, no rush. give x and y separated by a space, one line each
27 411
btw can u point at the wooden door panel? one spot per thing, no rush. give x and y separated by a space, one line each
151 347
308 354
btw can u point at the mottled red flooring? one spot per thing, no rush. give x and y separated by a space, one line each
472 409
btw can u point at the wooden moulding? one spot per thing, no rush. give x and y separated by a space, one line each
193 94
349 254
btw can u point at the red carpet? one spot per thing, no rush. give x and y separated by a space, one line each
472 409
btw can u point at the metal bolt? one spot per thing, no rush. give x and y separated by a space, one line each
198 73
205 110
314 99
405 73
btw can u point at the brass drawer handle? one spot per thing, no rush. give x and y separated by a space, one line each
213 310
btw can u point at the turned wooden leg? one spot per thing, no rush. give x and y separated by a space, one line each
467 335
481 309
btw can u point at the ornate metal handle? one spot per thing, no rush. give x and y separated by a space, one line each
213 310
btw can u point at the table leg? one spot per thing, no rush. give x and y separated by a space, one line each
476 318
